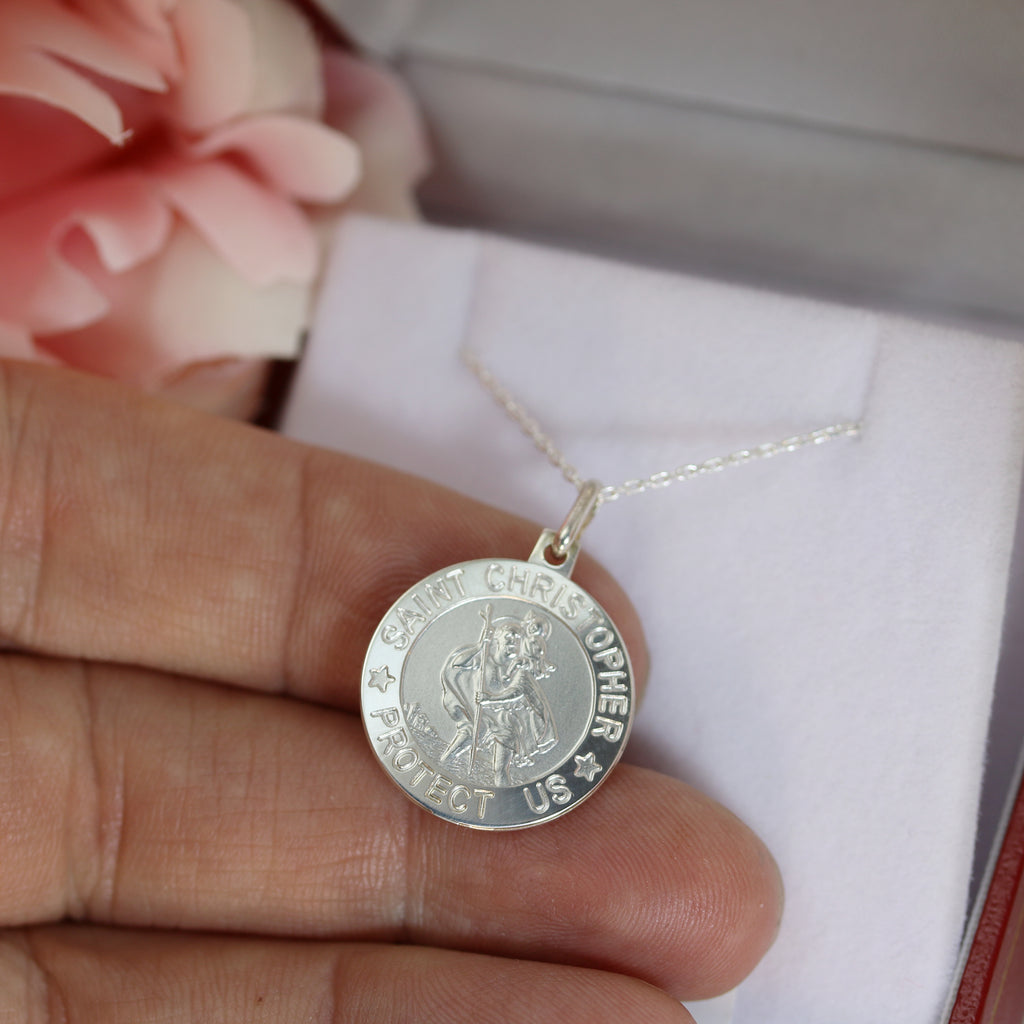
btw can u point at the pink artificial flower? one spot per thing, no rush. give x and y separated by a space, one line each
164 165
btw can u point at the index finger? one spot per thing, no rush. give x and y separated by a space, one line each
139 532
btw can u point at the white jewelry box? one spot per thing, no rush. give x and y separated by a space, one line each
873 153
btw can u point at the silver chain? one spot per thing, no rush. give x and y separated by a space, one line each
533 430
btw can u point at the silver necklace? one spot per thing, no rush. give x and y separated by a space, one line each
497 693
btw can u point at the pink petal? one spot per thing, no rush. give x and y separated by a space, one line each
182 307
123 218
303 159
243 57
373 108
42 144
145 15
228 387
287 75
263 236
53 27
41 291
63 297
215 37
34 33
35 76
119 219
142 27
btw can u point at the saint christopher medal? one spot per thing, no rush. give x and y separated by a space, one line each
497 693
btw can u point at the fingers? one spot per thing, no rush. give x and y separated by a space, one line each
139 532
134 799
91 976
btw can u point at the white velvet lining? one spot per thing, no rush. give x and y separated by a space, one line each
824 626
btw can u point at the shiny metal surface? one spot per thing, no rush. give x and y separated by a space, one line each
582 511
497 693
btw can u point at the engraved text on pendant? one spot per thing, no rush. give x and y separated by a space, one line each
497 693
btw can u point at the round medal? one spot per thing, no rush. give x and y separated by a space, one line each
497 693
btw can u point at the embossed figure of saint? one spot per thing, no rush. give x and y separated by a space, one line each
491 692
536 631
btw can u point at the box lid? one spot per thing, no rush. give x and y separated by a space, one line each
871 151
935 71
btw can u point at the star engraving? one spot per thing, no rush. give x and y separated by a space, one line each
381 678
586 767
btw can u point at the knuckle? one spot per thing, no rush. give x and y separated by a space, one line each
24 462
97 796
31 989
59 793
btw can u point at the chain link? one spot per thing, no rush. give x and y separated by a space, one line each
533 430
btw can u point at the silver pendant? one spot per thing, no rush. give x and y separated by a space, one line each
497 693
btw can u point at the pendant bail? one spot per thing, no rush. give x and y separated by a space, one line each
582 511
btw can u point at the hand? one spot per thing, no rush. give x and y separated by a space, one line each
184 605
